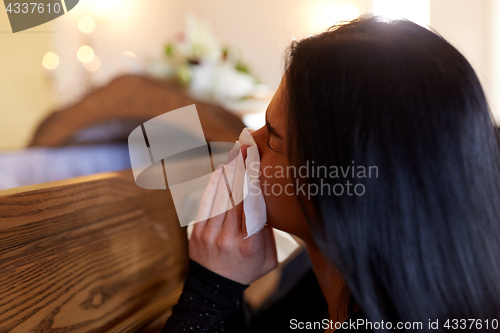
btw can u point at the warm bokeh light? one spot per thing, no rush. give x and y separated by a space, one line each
50 60
349 12
129 54
103 3
112 3
102 8
330 15
94 65
417 11
85 54
86 24
324 16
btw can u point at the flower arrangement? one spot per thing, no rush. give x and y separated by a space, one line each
198 61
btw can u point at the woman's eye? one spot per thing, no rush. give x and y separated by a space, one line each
269 144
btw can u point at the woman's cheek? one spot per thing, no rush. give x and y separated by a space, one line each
283 209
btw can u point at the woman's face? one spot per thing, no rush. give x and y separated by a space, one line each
283 208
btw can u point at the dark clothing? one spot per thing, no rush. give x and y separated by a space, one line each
212 303
206 302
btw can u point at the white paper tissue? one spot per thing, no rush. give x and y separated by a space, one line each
242 178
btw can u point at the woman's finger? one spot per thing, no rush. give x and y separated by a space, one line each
221 203
243 222
197 230
244 152
207 201
232 221
270 246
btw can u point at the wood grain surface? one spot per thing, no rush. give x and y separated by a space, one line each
90 254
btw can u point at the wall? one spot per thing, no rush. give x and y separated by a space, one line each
494 57
25 95
472 27
262 29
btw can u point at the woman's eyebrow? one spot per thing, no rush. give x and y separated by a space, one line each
272 131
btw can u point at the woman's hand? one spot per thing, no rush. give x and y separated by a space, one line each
219 244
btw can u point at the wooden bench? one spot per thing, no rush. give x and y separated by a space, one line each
90 254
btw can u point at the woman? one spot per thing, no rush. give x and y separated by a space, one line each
414 234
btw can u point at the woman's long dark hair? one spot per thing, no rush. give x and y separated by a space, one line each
422 242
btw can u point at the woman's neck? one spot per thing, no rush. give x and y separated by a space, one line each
330 281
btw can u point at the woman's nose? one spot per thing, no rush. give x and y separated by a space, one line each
260 138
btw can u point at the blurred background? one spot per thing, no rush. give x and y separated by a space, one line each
227 53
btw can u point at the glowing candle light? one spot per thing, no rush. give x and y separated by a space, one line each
50 60
86 24
85 54
349 12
